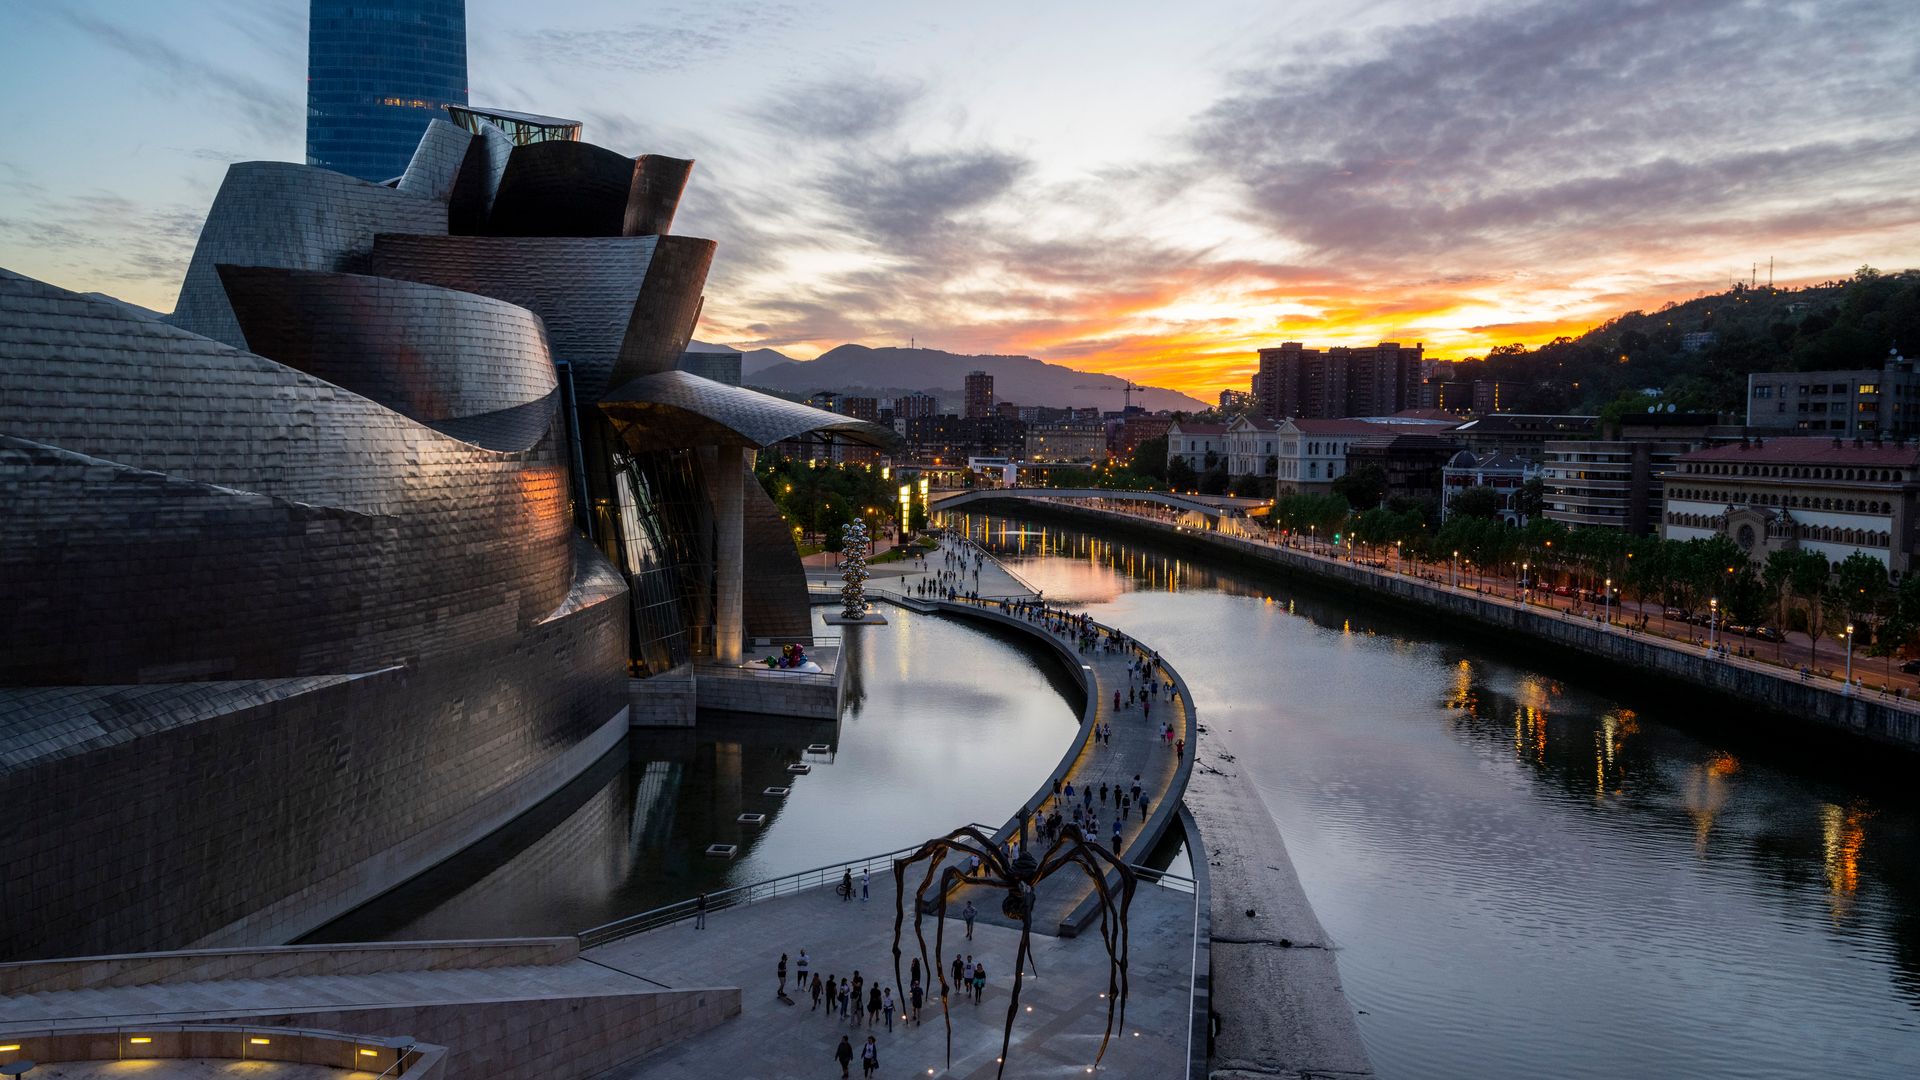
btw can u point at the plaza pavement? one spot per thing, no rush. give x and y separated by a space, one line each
1058 1038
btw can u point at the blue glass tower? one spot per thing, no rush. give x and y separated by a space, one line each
377 71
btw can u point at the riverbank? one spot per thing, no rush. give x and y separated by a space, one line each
1862 717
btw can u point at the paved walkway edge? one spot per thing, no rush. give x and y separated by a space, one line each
1272 976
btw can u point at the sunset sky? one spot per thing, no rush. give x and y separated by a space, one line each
1148 189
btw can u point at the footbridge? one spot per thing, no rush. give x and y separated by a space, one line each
1213 506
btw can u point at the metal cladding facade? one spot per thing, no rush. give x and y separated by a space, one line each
377 72
295 600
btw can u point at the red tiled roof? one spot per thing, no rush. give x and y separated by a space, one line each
1359 427
1200 429
1799 450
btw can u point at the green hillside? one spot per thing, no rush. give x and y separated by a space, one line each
1834 325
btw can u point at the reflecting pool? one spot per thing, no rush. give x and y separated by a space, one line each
1530 872
944 723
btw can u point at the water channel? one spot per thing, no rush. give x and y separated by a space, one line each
1537 873
1529 871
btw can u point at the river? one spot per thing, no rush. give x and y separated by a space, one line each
1532 873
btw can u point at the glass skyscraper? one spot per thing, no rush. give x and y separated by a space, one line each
377 71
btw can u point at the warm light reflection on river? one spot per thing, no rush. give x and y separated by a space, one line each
1532 873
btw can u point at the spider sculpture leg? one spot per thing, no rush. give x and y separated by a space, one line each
1113 928
936 856
1019 966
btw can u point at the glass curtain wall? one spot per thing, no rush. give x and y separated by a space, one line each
660 533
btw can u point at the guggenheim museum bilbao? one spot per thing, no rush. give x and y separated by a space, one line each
377 540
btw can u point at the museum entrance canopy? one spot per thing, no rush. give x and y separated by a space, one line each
675 409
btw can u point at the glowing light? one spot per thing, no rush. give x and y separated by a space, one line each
259 1042
364 1052
140 1040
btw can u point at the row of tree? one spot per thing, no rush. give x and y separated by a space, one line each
1796 589
819 500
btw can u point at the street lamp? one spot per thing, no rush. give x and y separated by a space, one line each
1607 603
1524 586
1849 659
1713 624
1453 571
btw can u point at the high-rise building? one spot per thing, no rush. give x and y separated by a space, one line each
979 395
377 72
914 406
1297 382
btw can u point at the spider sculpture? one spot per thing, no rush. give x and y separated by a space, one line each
1017 876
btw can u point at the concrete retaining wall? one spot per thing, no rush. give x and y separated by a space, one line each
1861 715
199 965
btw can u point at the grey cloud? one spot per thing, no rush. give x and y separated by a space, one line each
121 240
906 201
675 38
1569 119
839 109
266 109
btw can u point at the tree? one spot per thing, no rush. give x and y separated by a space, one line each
1476 502
1363 487
1180 475
1809 577
1150 458
1530 500
1861 583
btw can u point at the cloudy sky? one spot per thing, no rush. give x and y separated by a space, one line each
1150 189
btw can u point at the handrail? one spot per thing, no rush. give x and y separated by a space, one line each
739 896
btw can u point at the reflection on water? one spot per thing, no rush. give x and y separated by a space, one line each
1537 872
944 724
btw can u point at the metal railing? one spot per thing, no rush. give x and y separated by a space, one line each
741 895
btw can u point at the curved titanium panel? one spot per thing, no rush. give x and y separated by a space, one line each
565 189
184 509
271 213
420 350
676 408
656 194
436 162
607 308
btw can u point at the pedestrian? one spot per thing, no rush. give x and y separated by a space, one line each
800 972
968 913
1179 749
844 1055
833 995
873 1005
869 1057
1117 819
918 995
1069 791
845 997
816 991
956 972
846 885
914 975
886 1005
979 982
1143 808
866 878
1116 700
700 912
782 992
859 1002
1103 793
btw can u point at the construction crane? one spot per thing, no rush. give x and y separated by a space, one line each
1126 392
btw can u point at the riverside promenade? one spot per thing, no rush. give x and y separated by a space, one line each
1879 718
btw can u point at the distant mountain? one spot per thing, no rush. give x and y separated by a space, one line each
889 372
758 360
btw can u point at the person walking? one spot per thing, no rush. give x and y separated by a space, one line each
1117 819
979 982
957 969
846 885
1136 787
844 1055
833 996
845 998
869 1057
866 879
1179 749
816 991
1103 793
873 1005
968 913
859 1003
1143 808
700 912
886 1006
800 972
781 993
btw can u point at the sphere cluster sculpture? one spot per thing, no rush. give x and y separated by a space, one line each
854 546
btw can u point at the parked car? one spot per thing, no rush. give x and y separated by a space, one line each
1911 667
1562 590
1676 613
1767 633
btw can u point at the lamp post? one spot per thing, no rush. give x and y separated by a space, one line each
1849 659
1525 587
1713 624
1453 571
1607 603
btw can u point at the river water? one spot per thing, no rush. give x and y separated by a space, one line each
1533 873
